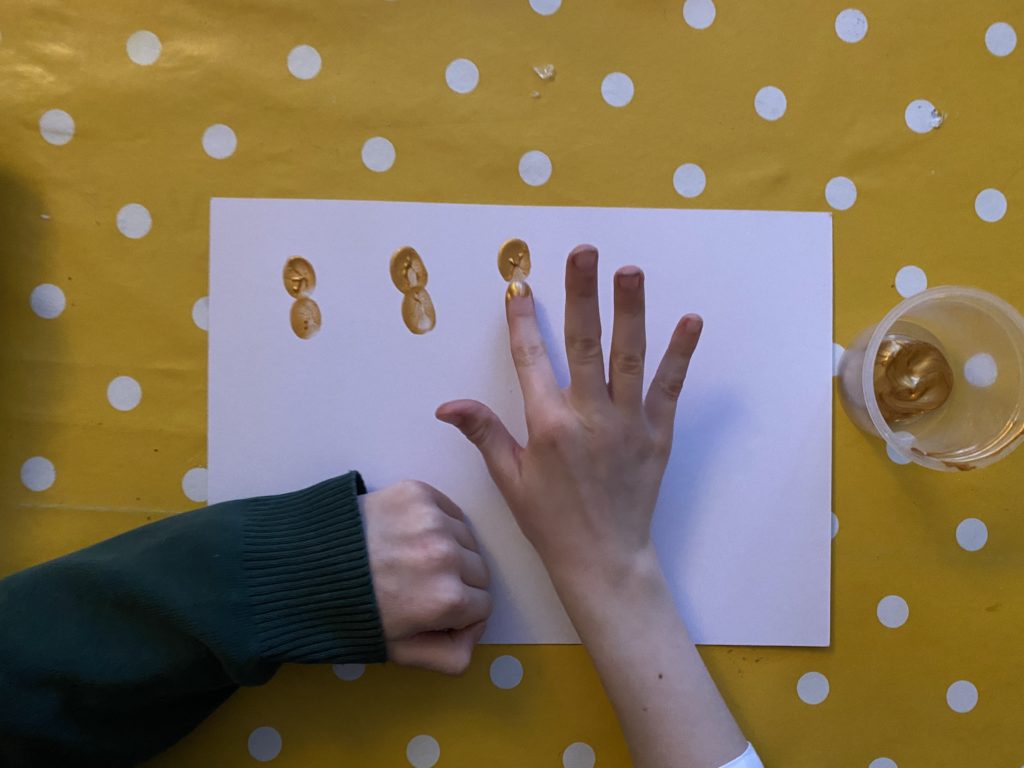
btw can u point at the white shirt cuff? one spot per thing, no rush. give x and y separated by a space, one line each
748 759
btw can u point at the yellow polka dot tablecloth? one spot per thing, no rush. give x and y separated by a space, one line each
122 120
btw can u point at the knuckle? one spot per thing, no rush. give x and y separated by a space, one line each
442 553
584 349
457 665
551 432
450 599
431 525
478 431
412 490
629 363
671 387
527 354
661 443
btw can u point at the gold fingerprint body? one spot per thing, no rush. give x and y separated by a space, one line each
409 274
911 377
305 318
299 277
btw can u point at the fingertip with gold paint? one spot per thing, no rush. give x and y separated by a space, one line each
518 288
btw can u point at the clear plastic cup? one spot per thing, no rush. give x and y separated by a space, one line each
982 338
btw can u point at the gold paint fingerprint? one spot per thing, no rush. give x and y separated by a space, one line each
299 277
514 260
305 318
409 274
912 378
514 265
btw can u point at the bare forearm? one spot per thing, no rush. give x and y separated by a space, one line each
669 708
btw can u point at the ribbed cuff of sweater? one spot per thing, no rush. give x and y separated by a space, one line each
308 575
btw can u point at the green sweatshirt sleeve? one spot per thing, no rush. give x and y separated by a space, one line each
111 654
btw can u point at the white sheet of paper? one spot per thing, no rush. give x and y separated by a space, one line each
743 525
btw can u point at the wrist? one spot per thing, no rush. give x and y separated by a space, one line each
610 591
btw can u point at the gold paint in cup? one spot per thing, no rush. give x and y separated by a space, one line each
912 378
940 379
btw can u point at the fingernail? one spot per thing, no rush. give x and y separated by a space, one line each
584 257
693 323
517 288
629 278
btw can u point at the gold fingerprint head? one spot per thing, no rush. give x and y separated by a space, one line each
299 277
514 260
408 271
305 318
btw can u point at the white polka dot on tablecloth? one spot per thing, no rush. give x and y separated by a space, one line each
193 484
617 89
579 754
840 193
57 127
1000 39
981 370
264 744
535 168
990 205
892 611
921 116
838 350
47 301
545 7
910 280
770 103
134 221
699 14
143 47
689 180
506 672
851 25
124 393
895 456
962 696
812 688
304 62
201 313
882 762
219 141
835 525
38 473
462 76
898 449
378 154
971 534
349 672
423 751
